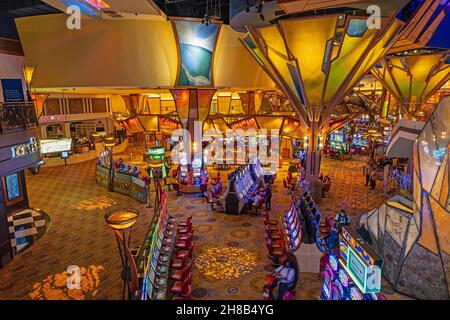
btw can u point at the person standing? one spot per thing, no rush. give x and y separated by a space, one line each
268 197
367 170
373 178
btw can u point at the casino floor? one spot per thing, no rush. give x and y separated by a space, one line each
78 235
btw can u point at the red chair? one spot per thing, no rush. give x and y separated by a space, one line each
178 263
182 287
268 221
211 200
186 253
186 296
183 244
186 223
185 236
180 275
185 231
176 187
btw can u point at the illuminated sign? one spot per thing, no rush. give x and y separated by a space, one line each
362 265
24 149
355 294
156 151
343 278
333 262
55 146
339 287
57 118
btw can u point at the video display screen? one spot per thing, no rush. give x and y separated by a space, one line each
12 186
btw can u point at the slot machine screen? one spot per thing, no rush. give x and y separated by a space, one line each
326 292
335 292
151 275
156 252
158 243
296 242
154 261
295 233
148 289
355 293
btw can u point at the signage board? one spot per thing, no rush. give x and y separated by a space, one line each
362 265
12 90
55 145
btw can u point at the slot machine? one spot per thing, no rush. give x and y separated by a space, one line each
197 170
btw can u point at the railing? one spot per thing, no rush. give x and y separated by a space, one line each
17 115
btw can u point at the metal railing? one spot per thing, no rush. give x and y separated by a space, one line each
17 115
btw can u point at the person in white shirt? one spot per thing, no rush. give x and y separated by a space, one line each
286 279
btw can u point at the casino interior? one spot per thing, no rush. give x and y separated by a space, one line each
225 150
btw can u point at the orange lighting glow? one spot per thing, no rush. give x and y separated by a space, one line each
99 4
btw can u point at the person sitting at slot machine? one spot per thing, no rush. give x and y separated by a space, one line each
332 239
341 219
326 185
287 279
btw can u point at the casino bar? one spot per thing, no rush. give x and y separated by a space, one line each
224 150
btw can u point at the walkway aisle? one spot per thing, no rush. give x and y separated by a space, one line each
230 256
77 235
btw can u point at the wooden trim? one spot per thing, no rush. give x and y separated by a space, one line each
11 47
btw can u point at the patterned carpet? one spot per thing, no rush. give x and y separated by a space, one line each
79 236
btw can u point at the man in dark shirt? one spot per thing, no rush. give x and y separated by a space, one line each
364 233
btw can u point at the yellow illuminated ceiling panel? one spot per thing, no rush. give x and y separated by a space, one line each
375 52
413 79
352 49
309 48
278 55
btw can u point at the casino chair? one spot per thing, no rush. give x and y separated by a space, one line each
186 296
287 187
275 254
188 230
182 287
211 200
268 221
179 263
186 223
176 187
185 236
183 244
186 253
182 274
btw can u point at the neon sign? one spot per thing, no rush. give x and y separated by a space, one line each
360 262
25 149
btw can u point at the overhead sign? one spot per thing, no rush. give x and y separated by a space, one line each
24 149
362 264
55 118
12 90
55 145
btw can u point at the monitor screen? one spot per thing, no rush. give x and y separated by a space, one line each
12 186
65 154
154 261
148 289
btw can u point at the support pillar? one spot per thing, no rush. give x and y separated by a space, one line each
313 144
